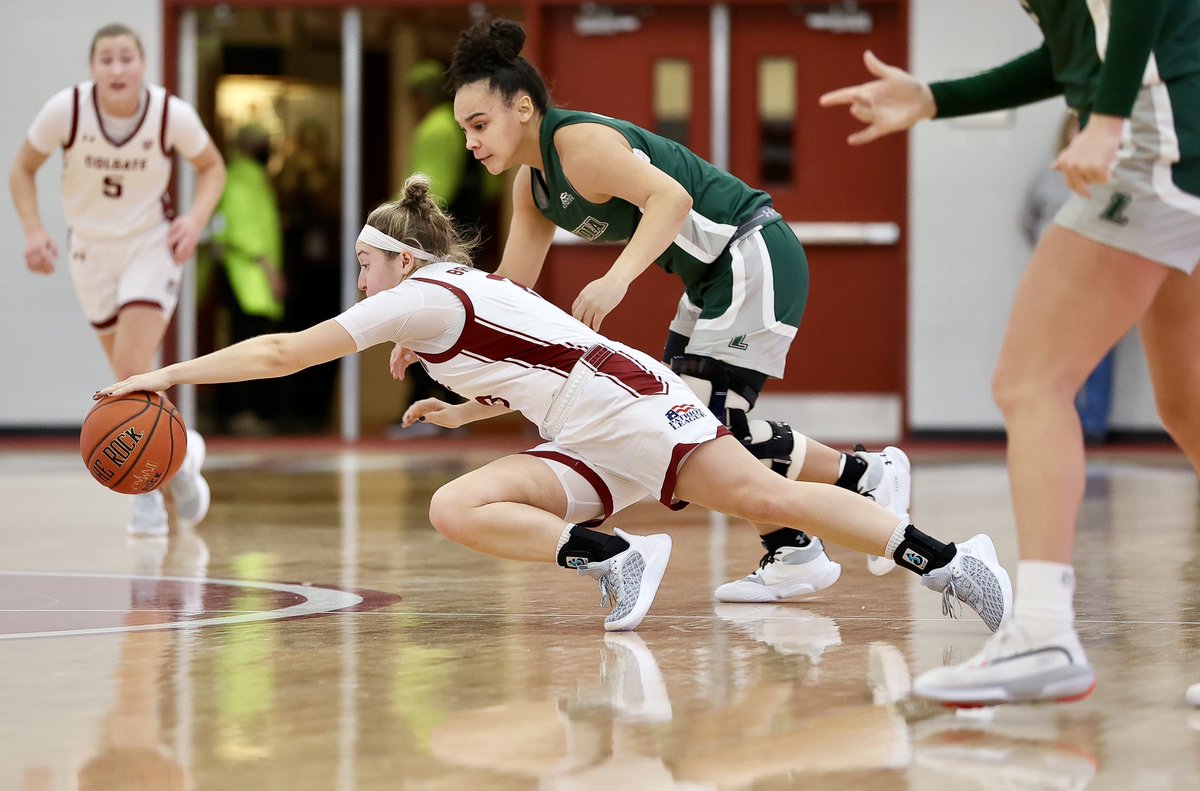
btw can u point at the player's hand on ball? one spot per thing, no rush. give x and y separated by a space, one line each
153 382
432 410
401 359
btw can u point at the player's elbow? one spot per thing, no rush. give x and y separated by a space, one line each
281 355
681 200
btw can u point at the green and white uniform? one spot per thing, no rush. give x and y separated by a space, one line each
744 273
1136 59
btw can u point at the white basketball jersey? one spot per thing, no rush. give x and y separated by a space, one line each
116 188
515 348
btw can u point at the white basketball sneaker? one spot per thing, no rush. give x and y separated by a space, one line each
888 481
149 515
976 578
629 580
786 573
1013 668
188 487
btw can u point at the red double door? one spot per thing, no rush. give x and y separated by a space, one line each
853 336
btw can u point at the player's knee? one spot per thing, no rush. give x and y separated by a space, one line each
752 501
449 513
1015 388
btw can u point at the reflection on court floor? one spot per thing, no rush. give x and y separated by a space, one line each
315 633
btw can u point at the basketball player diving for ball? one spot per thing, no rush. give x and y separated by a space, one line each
618 425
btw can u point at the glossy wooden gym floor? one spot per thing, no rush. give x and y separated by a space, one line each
315 633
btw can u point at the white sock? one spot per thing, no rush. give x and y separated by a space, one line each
563 538
894 542
1045 599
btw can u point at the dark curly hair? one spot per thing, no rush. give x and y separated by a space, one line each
492 51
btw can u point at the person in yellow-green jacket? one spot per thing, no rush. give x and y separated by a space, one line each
458 183
248 242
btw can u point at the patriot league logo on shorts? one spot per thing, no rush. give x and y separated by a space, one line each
682 414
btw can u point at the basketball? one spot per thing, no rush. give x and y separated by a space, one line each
133 443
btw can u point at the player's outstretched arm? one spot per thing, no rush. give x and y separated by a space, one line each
893 102
264 357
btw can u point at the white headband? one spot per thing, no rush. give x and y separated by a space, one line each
377 238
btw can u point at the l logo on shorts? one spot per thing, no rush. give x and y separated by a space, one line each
1115 211
739 343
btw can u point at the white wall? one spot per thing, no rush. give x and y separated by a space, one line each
50 361
966 251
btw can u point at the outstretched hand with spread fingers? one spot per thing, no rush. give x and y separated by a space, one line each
893 102
152 381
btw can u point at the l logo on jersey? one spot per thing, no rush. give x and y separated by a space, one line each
1115 211
567 199
682 414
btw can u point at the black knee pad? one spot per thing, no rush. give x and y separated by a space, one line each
725 379
774 450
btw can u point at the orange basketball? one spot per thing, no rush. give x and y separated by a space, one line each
133 443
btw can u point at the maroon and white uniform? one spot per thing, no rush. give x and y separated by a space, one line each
115 177
614 417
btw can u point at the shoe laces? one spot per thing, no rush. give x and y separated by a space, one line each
608 586
607 591
770 557
867 493
951 600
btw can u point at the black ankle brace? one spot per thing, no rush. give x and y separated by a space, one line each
852 472
784 537
922 554
589 546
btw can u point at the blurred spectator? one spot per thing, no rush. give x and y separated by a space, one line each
247 240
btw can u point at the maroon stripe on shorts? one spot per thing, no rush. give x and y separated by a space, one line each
588 474
678 455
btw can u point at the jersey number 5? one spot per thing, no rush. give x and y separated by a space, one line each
112 186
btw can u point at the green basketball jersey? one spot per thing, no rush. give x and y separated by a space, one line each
720 201
1077 34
